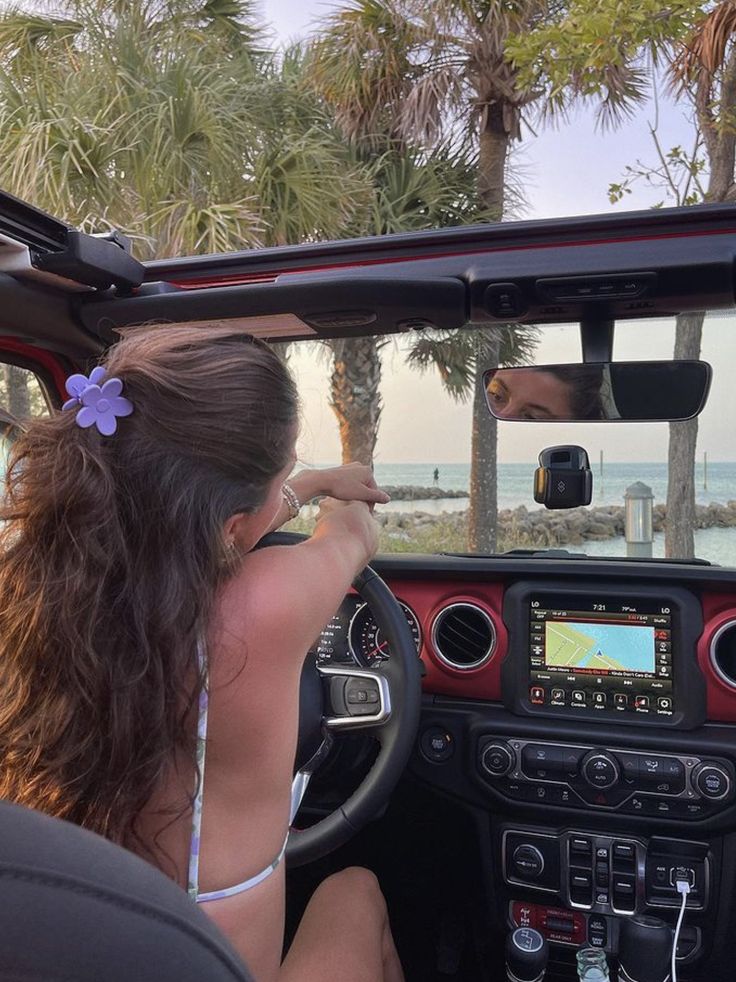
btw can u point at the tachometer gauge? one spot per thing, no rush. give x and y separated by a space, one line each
368 646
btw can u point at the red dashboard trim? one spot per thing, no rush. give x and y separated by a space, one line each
426 600
718 608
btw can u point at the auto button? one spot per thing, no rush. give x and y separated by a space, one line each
601 770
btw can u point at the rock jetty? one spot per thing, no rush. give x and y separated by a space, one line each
409 492
522 527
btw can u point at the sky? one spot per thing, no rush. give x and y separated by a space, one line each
566 170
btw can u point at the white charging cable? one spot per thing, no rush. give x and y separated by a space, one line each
683 888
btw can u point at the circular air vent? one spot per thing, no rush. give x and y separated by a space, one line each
463 636
723 653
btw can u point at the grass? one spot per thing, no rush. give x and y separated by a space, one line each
446 533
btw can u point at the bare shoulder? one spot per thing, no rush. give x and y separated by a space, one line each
286 593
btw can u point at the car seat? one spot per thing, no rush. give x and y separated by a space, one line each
73 906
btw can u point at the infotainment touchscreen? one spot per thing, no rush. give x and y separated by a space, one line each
601 654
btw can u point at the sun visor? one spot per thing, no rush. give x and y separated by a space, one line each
292 308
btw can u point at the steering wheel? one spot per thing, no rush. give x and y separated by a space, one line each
383 702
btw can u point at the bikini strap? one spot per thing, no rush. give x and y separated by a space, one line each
203 706
298 790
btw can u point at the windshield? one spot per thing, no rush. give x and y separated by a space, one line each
424 451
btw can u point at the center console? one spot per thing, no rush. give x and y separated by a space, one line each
600 780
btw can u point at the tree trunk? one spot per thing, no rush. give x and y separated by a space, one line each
19 398
720 143
493 152
483 505
679 540
355 396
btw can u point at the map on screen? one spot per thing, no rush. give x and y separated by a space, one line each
603 647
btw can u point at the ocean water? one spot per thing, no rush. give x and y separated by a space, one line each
515 481
718 545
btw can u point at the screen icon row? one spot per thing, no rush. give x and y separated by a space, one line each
598 700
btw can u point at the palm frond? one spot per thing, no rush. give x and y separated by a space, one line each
704 51
459 355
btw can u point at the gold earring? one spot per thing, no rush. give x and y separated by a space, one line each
231 554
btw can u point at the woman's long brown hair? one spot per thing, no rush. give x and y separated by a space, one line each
110 555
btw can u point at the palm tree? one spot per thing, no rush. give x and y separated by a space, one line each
697 43
169 120
704 65
403 73
410 191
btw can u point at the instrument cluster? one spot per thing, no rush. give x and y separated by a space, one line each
352 636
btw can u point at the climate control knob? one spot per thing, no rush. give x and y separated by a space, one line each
711 781
600 770
497 759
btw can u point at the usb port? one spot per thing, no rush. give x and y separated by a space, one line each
682 873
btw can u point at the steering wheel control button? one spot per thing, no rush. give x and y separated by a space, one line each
437 744
601 771
527 862
362 697
711 781
497 759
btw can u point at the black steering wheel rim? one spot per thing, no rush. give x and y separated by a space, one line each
400 676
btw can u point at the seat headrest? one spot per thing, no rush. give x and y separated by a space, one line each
76 907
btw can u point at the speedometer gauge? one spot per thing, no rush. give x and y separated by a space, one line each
366 642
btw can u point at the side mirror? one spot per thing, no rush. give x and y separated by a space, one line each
623 391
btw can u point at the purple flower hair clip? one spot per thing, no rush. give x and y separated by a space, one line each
100 401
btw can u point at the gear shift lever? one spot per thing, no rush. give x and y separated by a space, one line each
526 955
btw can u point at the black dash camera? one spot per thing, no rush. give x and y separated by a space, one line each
564 478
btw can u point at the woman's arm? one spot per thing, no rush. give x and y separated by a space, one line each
351 482
286 594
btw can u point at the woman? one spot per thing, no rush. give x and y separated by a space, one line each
134 616
546 392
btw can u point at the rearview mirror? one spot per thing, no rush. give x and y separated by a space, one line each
626 391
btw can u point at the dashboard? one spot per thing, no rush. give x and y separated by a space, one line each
633 654
585 715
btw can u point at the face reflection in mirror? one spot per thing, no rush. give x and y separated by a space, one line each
634 390
544 394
